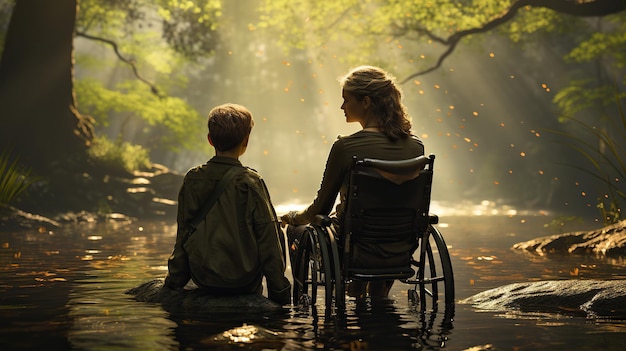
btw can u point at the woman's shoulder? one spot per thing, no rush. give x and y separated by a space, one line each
414 139
361 134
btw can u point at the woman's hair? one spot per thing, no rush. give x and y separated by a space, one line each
229 125
385 96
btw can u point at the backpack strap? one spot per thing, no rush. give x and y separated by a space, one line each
201 215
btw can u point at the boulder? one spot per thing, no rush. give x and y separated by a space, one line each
597 299
610 241
198 301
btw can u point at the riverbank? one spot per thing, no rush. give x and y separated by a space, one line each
98 196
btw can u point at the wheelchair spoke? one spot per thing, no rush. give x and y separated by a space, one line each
434 275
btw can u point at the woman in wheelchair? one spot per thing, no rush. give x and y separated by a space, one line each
372 99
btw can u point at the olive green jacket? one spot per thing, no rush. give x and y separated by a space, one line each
238 243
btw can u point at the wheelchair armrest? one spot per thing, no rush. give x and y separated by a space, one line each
433 218
322 221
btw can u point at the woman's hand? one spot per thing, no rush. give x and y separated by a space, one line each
288 218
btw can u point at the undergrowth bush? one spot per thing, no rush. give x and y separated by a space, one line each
119 154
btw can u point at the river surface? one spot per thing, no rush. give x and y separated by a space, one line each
65 289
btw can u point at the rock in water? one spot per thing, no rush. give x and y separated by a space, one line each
197 300
609 241
604 299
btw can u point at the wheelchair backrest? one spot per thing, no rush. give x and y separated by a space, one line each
387 209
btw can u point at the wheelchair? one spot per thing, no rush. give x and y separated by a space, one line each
387 234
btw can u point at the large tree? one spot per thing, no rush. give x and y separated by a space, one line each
40 120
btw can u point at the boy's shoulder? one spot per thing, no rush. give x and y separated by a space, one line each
252 171
252 174
197 171
205 171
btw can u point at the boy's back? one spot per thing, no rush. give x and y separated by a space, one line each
239 241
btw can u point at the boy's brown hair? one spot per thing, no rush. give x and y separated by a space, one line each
229 125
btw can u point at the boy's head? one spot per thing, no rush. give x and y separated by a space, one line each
229 126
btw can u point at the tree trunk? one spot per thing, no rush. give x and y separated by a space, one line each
39 119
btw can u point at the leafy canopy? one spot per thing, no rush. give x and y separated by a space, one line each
156 40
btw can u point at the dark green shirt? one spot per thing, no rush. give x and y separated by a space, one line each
238 242
336 175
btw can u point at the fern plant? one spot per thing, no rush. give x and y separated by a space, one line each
14 178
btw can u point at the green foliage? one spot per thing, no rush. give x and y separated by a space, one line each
184 27
130 25
363 26
99 13
585 95
190 27
603 47
14 178
366 25
304 23
187 27
119 155
606 45
530 21
178 119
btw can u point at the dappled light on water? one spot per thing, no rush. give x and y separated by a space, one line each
453 208
85 303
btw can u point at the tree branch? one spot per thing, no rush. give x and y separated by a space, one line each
579 8
131 63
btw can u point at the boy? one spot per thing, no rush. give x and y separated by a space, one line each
239 242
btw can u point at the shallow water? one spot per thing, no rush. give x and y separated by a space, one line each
65 290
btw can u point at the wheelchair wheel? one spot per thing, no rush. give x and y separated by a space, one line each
330 256
312 269
434 271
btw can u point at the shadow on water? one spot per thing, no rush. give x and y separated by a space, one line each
67 288
384 324
381 324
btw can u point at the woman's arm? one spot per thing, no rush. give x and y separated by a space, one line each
334 174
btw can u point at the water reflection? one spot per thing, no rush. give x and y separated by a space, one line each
381 324
384 324
221 330
67 288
